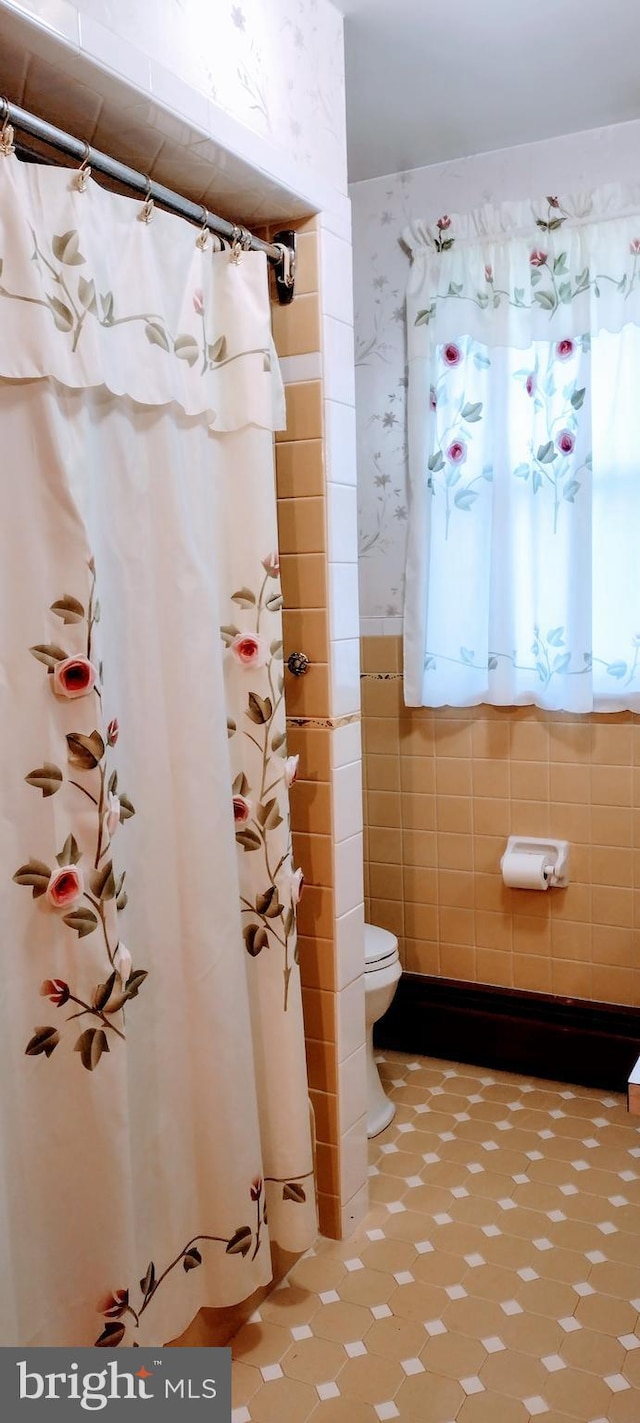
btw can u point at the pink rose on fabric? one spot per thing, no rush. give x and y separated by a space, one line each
56 990
271 564
122 963
565 441
565 349
198 301
538 258
443 223
488 274
433 398
457 452
634 246
112 814
74 677
291 770
530 384
113 732
297 886
65 887
242 809
452 354
249 650
553 202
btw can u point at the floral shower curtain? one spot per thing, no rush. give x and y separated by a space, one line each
154 1128
524 431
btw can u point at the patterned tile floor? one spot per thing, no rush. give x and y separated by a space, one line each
496 1278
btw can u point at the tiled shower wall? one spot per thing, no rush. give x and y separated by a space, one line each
315 472
443 790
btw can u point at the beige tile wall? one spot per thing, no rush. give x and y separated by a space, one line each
331 974
443 790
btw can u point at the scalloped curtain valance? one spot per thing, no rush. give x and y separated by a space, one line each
530 270
524 429
148 313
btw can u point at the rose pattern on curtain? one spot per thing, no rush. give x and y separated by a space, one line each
524 331
143 443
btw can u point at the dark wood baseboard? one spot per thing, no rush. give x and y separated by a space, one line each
565 1039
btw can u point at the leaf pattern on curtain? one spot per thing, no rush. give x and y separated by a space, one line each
261 810
524 352
84 888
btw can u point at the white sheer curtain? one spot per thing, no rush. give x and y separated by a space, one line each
524 431
154 1108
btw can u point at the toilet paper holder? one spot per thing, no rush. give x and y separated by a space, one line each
557 850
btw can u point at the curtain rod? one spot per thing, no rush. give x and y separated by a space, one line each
195 212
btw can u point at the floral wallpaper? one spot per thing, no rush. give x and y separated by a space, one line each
275 65
381 209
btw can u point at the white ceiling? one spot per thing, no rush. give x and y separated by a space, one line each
430 80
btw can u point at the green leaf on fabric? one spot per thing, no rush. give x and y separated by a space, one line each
465 499
227 634
218 350
436 461
135 982
240 1242
102 993
87 295
43 1040
68 608
62 315
156 335
260 709
66 248
148 1279
293 1191
231 727
84 921
274 603
570 490
269 904
617 669
546 453
91 1044
191 1258
126 808
111 1336
241 785
102 882
577 399
86 752
36 875
69 854
48 653
472 412
555 636
248 838
244 598
186 349
47 778
255 939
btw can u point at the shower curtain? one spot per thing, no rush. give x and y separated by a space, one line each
154 1123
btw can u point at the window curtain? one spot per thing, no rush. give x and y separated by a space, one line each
524 439
154 1120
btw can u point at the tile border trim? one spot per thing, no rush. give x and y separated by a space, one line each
537 1034
328 723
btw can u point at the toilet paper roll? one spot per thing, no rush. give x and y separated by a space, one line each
527 871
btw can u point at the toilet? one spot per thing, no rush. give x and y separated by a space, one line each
382 971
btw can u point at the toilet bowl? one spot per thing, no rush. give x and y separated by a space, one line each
382 971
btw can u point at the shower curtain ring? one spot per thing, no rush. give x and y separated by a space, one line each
7 146
81 178
236 243
146 211
202 240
